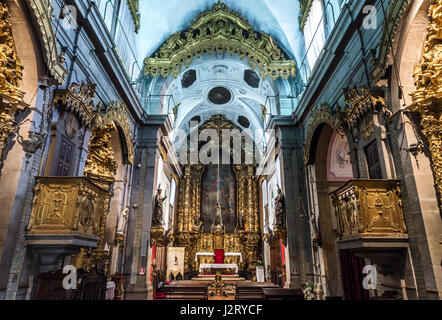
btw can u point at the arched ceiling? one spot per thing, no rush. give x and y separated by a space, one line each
218 70
160 19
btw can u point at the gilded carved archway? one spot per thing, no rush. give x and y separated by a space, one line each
41 12
78 99
220 30
427 99
117 113
11 71
320 115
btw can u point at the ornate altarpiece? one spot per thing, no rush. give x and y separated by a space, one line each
188 231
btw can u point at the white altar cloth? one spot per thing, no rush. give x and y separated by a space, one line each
218 266
212 254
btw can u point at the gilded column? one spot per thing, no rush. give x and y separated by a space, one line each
427 99
256 205
249 203
11 71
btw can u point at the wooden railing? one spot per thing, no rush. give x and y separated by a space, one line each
67 206
369 209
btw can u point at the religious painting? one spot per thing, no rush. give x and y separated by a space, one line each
338 160
218 187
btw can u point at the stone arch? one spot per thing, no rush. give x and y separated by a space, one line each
416 193
410 35
117 114
41 12
320 115
17 35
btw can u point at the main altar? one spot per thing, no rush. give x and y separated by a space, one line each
218 211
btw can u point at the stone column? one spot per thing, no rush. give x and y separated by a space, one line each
299 259
138 245
19 249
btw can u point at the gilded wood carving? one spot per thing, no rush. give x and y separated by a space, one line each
220 30
369 209
427 99
11 72
66 205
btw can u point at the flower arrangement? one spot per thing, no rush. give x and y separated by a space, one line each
259 263
308 290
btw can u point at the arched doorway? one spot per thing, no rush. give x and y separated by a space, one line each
338 273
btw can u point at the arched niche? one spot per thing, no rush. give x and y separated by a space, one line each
411 34
14 172
328 165
106 166
320 115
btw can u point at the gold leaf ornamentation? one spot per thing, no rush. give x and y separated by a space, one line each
220 30
427 99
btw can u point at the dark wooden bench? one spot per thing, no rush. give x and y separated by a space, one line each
186 291
283 294
252 290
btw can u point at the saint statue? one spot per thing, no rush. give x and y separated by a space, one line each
316 236
157 219
218 220
122 220
197 223
241 222
279 208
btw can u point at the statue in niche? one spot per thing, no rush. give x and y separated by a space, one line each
157 219
279 208
241 222
197 223
122 220
218 220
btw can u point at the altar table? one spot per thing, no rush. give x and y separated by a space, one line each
226 254
218 266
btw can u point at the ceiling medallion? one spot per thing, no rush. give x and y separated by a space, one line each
219 95
220 30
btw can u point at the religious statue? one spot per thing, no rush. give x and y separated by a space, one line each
316 236
122 220
197 223
241 222
157 219
279 208
218 221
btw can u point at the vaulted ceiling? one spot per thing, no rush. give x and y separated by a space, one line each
160 19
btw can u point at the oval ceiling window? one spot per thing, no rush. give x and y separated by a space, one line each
189 77
251 78
219 95
244 121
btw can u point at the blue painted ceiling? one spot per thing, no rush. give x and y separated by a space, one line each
279 18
